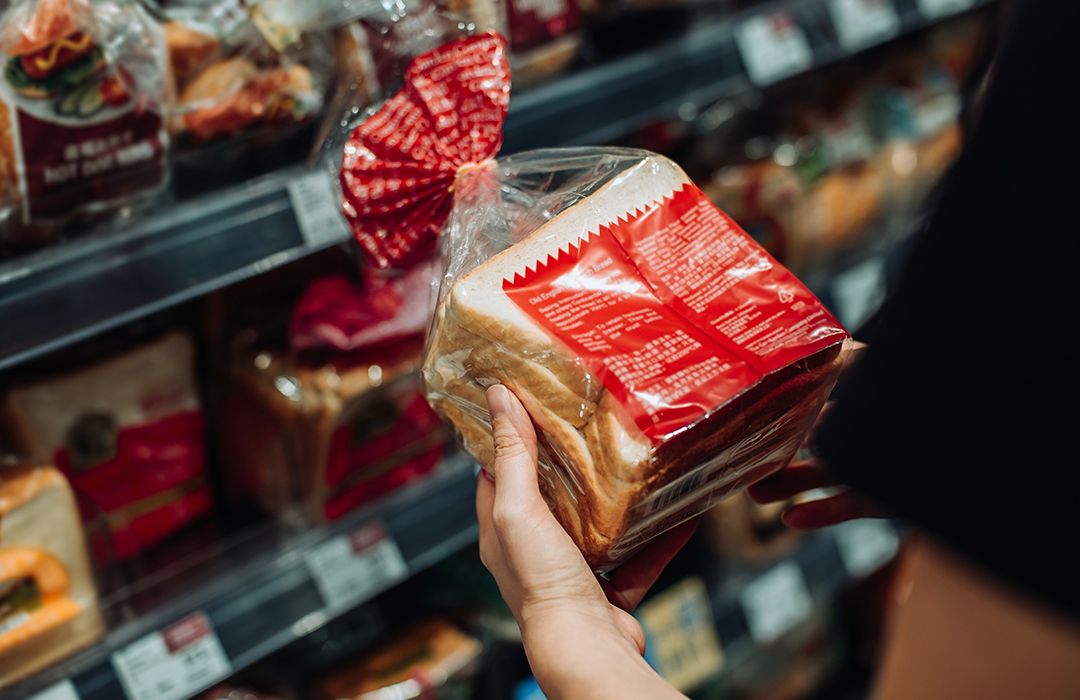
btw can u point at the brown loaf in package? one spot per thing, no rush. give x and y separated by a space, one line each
48 606
127 431
320 438
420 663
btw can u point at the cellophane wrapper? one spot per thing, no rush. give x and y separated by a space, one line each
664 358
681 364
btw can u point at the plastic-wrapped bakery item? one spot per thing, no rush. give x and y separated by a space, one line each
377 40
337 418
544 38
665 358
48 605
127 432
431 660
82 105
243 81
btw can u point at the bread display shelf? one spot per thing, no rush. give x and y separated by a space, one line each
184 250
260 594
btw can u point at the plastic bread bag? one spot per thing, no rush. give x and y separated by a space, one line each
48 603
245 82
664 357
82 126
376 40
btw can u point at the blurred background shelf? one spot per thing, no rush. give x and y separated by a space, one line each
100 281
258 597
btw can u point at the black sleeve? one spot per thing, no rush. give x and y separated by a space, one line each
962 416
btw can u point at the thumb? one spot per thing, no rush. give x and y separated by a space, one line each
515 445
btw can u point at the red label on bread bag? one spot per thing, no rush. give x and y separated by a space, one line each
676 309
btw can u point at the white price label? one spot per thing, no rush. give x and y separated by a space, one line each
63 690
775 602
942 8
351 568
862 23
773 47
173 664
318 212
866 545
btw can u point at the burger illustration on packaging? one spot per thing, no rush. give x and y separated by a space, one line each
85 126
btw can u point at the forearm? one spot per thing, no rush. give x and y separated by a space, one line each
578 659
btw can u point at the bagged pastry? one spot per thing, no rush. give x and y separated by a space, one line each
48 605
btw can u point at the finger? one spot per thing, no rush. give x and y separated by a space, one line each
515 447
485 501
829 511
631 581
790 481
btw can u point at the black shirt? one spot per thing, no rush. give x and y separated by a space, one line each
962 416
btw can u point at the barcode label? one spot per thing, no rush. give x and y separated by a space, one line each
63 690
775 602
943 8
773 47
350 569
862 23
866 545
318 212
174 663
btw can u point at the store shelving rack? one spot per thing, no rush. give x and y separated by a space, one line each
59 296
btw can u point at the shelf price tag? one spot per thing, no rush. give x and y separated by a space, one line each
63 690
174 663
773 47
862 23
866 545
681 642
318 213
775 602
349 569
943 8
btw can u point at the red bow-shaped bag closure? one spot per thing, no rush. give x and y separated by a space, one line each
400 165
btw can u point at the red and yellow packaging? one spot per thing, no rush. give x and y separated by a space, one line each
48 605
128 434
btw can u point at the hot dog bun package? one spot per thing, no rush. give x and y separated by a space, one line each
48 606
82 112
664 357
127 431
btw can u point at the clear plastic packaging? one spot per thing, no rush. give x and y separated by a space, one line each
48 605
127 432
664 357
666 361
82 113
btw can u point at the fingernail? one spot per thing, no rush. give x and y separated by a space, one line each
487 475
498 399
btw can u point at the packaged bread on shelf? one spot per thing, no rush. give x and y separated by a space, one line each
82 113
431 660
335 418
48 605
544 38
127 432
664 357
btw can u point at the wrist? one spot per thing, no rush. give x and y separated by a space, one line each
580 652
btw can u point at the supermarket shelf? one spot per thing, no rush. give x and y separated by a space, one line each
756 610
259 606
73 291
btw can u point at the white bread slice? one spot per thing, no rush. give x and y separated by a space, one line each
482 308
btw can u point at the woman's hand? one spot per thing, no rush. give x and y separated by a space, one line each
579 644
